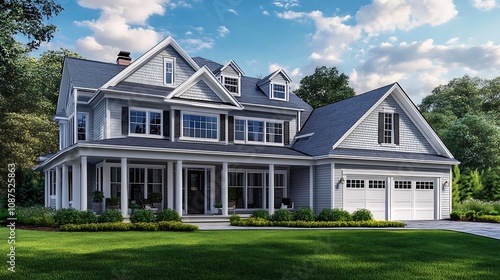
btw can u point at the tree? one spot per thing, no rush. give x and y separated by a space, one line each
491 184
475 141
455 192
324 87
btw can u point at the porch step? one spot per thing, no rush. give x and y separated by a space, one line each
203 219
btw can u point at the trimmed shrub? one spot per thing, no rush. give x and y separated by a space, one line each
110 216
35 215
234 217
256 222
87 217
141 226
251 222
469 215
168 215
282 215
262 214
121 226
97 227
304 214
488 219
456 215
176 226
335 214
68 216
362 215
144 216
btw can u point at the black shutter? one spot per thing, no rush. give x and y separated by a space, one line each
396 129
380 128
230 129
177 123
222 126
166 123
286 134
124 120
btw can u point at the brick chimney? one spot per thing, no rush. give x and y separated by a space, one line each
123 58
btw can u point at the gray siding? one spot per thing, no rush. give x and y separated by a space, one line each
339 194
115 117
99 120
365 136
70 105
230 71
90 120
322 187
201 91
265 88
299 186
279 79
445 196
151 73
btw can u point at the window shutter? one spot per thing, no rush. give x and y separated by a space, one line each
380 128
222 126
396 129
166 123
286 133
230 129
177 123
124 120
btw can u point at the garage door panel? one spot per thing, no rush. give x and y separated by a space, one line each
421 214
402 214
366 193
378 215
413 199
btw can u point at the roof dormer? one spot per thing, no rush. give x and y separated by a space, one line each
230 76
276 85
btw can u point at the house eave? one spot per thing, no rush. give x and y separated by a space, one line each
386 159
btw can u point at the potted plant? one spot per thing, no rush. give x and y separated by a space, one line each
155 199
112 203
97 198
218 206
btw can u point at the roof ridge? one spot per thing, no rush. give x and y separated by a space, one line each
91 60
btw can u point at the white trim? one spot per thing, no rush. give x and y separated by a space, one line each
233 63
223 82
332 185
271 95
270 106
87 124
200 114
147 132
391 173
107 120
264 142
165 61
386 159
274 75
304 135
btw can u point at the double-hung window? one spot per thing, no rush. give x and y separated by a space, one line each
232 84
82 121
169 66
145 122
200 126
278 91
258 131
388 127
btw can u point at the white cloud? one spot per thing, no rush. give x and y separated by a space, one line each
266 13
188 33
484 5
223 31
199 28
452 41
233 11
393 39
287 4
251 62
121 25
195 45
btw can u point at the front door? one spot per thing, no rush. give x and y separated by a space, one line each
196 191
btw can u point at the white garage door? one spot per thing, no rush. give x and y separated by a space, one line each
413 199
366 193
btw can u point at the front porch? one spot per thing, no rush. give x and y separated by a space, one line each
195 189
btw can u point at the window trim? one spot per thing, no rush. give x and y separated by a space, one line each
286 91
201 114
86 126
223 82
264 142
165 61
148 128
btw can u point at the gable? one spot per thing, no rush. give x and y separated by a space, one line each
151 72
200 91
365 135
280 79
230 71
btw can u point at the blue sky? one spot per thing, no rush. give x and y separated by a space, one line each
420 44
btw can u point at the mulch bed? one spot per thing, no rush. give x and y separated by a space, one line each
32 227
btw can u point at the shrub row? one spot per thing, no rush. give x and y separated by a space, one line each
487 208
139 226
306 214
473 216
146 216
36 215
259 222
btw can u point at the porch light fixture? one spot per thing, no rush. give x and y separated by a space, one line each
445 185
341 181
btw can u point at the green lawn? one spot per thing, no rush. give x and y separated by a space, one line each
253 254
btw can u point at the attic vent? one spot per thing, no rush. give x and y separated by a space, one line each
123 58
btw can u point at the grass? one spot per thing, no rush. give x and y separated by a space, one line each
253 254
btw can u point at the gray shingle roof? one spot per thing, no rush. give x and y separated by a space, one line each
329 123
162 143
90 73
389 154
212 65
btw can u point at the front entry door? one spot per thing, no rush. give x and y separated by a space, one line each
196 191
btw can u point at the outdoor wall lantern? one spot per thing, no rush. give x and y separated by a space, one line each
341 181
445 185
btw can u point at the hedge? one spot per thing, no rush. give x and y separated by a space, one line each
121 226
257 222
488 219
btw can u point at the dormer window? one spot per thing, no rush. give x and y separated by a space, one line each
232 84
279 92
169 66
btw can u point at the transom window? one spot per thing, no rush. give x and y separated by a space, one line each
82 126
279 91
372 184
388 128
145 122
424 185
198 126
402 185
253 131
232 84
355 184
169 71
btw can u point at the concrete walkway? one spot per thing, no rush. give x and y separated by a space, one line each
490 230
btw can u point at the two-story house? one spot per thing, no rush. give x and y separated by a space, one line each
202 133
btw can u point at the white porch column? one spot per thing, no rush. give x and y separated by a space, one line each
83 184
46 195
124 187
224 190
178 187
106 178
170 185
58 187
271 189
65 187
311 187
75 200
